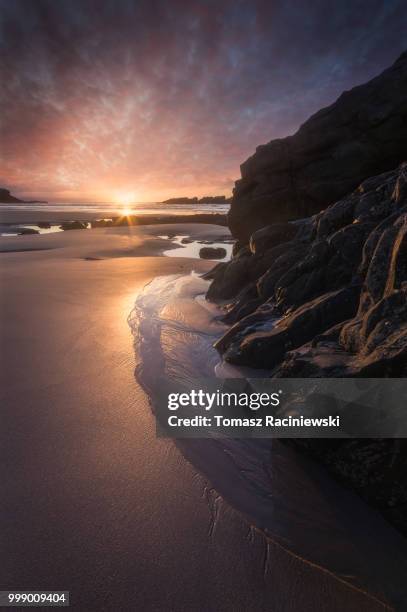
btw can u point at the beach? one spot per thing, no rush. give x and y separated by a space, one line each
92 501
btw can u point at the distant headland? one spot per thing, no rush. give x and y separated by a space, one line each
7 198
219 199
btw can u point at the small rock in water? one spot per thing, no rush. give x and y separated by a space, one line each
186 241
44 224
28 230
212 253
72 225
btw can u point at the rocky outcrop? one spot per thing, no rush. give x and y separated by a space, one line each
362 134
324 296
7 198
317 285
327 297
219 199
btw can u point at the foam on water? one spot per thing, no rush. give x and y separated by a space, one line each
173 333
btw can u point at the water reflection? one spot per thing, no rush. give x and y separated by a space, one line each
191 248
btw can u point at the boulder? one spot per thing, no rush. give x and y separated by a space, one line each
212 253
26 231
73 225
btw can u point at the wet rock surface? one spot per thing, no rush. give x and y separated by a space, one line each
26 231
327 297
362 134
339 268
212 252
73 225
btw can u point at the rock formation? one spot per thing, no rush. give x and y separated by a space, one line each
363 133
7 198
218 199
326 296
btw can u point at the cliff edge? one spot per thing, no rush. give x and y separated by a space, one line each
363 133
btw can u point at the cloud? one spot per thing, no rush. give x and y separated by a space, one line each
168 97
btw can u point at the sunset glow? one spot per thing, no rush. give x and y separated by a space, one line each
125 200
102 97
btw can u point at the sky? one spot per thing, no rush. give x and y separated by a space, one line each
142 100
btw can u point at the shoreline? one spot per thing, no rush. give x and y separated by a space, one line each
291 499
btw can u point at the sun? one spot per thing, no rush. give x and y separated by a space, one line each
125 200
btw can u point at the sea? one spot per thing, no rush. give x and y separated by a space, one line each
15 218
137 208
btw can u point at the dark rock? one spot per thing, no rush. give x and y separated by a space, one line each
230 279
212 253
216 270
271 236
285 261
25 231
262 318
265 349
362 134
218 199
336 216
181 200
246 302
73 225
349 242
331 301
7 198
237 246
344 271
44 224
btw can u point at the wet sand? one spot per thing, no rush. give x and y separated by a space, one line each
92 501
